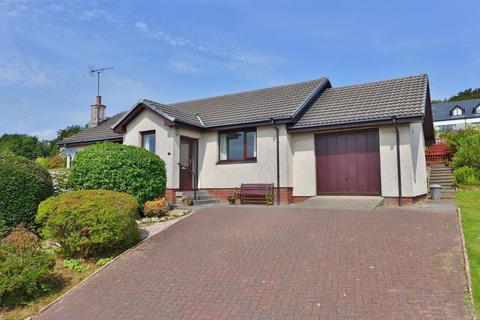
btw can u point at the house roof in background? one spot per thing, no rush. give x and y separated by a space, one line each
441 111
402 97
103 131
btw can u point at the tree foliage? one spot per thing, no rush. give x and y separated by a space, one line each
62 134
24 145
466 94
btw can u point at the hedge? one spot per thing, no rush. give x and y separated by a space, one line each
24 184
119 167
89 223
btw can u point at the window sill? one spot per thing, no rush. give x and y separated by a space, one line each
236 161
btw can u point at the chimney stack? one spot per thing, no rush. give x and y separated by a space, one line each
97 113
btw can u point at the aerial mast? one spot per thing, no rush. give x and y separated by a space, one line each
94 70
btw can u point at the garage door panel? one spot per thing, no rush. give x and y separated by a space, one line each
350 170
348 163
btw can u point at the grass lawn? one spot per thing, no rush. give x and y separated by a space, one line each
469 203
61 280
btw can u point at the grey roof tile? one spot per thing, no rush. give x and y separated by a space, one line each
250 106
441 111
102 131
370 101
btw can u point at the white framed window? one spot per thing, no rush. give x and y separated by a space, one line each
238 145
457 111
148 140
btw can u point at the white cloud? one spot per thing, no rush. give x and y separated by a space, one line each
186 67
22 70
206 45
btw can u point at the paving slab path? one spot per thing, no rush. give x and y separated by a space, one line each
284 263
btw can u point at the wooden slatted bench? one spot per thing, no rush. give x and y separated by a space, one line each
256 193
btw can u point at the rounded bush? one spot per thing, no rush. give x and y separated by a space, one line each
467 176
23 264
24 184
156 207
89 222
119 167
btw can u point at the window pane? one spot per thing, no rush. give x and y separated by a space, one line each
251 144
149 142
231 146
234 145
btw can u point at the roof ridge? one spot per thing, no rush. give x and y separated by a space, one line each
172 106
248 91
424 75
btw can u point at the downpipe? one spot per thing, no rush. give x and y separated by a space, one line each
272 121
399 167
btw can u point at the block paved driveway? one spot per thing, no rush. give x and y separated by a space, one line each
283 263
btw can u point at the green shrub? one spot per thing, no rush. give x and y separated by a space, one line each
455 139
23 265
468 152
90 222
42 161
24 184
119 167
467 176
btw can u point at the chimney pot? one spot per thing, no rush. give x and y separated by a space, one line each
99 100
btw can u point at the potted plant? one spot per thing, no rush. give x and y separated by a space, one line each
232 199
188 201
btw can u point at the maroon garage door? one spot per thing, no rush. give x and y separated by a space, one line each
348 163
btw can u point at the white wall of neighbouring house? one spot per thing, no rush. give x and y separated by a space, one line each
70 153
215 175
165 141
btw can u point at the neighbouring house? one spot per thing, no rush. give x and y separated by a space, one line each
456 115
308 138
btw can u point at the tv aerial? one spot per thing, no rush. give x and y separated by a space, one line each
95 70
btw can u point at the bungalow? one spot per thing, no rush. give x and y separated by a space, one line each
308 138
456 115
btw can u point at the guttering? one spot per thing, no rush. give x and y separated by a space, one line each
246 124
86 142
399 168
356 124
272 121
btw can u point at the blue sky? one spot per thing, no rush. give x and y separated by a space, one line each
178 50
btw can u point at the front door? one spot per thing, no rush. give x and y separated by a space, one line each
188 161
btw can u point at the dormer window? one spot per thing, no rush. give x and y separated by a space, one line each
457 111
477 109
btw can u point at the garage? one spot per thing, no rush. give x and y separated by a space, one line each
348 163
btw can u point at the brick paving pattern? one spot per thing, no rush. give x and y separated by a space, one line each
249 263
